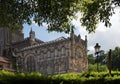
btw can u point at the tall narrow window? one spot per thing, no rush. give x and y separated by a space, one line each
48 54
30 64
56 53
19 62
63 51
57 68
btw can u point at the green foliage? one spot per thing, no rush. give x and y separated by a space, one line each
103 68
56 13
91 59
115 58
93 67
98 11
101 58
68 78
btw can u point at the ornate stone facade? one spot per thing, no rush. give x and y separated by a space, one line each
58 56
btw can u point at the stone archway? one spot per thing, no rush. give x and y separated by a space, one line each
30 63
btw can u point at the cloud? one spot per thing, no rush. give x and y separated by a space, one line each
108 38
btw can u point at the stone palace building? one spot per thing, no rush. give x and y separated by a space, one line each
30 54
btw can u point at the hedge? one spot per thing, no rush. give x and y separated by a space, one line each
68 78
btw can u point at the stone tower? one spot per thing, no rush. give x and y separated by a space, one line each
7 37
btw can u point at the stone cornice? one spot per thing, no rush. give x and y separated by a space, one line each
61 39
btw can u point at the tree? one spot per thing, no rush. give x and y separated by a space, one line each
93 62
115 58
101 57
98 11
92 67
91 59
56 13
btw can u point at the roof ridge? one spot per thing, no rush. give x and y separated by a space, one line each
45 43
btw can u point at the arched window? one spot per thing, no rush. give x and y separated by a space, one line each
30 64
79 52
62 66
49 69
63 51
19 62
41 67
48 54
56 52
56 68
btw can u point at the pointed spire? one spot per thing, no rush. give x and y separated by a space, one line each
32 34
72 33
79 36
85 37
31 30
72 36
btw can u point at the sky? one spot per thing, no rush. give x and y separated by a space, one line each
108 38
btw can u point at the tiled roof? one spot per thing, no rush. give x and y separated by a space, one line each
58 39
45 43
4 59
26 40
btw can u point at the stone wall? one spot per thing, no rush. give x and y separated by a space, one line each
78 62
50 58
54 57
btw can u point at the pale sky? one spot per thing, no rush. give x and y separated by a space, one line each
108 38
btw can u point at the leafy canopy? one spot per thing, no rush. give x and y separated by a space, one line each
56 13
98 11
115 58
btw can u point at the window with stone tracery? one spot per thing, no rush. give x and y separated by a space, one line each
30 64
49 69
48 54
52 54
19 61
63 51
41 64
41 57
62 66
56 67
56 52
79 52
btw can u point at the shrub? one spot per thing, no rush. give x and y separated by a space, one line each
93 67
68 78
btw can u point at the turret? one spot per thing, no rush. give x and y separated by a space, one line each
86 38
72 43
32 35
79 38
72 35
86 43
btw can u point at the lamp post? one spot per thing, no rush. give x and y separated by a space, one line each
109 61
97 51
